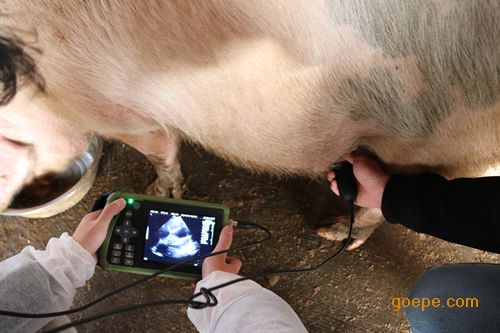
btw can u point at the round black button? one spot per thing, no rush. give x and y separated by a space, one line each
125 231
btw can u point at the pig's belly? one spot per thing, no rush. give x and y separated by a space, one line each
275 133
261 110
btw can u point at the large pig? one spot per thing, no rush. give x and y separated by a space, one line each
281 86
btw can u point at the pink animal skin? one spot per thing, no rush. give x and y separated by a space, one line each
286 87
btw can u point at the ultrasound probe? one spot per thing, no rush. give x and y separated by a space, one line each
346 181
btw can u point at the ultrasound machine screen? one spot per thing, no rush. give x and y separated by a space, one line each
174 237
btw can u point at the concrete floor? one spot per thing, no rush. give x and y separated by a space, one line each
351 294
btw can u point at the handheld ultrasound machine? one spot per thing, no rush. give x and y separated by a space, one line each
153 233
169 237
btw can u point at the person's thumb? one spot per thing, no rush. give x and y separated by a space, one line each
225 239
109 211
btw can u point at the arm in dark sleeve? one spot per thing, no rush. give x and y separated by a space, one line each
464 211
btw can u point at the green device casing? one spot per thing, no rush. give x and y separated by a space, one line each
139 223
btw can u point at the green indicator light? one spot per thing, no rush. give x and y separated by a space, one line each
130 201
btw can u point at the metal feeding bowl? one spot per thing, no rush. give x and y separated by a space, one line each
56 193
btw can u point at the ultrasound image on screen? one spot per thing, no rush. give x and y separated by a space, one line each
172 237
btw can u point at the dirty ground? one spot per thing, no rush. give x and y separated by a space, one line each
351 294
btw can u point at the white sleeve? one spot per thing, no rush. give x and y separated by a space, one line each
36 281
243 307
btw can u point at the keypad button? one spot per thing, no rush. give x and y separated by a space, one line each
129 248
118 246
116 253
128 262
129 255
125 231
115 260
118 230
137 205
125 240
134 232
127 223
128 213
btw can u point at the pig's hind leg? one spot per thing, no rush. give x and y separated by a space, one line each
161 149
366 222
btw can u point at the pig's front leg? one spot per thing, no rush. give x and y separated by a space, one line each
161 150
366 222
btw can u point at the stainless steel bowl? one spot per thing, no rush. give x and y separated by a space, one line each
81 175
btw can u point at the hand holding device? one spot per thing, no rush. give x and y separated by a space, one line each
137 201
371 180
92 230
155 233
222 262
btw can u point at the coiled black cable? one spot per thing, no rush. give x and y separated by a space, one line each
207 293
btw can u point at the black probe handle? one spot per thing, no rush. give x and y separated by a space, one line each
346 182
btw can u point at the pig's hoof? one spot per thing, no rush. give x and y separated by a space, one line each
339 232
161 189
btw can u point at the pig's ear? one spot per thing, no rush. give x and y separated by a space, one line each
16 67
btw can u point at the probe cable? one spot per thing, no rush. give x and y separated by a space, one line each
289 271
210 299
132 284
